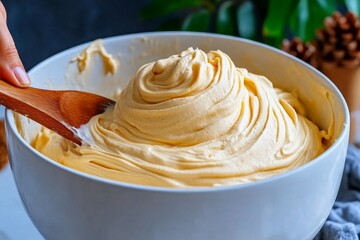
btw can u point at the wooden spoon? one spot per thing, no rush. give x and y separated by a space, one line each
60 111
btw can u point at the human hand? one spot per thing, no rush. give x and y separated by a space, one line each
11 67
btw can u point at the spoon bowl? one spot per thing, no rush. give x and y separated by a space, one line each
60 111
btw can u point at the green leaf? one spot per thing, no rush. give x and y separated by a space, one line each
278 14
246 20
303 16
158 8
197 21
324 3
353 6
328 6
226 19
309 16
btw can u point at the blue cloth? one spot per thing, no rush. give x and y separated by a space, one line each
343 222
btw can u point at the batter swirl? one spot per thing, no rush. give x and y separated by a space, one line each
193 119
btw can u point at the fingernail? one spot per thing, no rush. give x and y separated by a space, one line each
21 76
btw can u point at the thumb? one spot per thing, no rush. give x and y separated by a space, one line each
11 67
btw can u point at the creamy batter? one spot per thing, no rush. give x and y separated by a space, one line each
193 119
97 46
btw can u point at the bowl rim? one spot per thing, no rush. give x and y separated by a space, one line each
237 186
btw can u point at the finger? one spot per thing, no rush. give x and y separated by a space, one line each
3 11
11 67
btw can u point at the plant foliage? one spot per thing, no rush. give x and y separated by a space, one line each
263 20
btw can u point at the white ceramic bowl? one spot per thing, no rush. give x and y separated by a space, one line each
66 204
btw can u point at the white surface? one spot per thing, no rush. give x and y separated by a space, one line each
14 222
66 204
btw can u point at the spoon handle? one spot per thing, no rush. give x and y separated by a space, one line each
40 105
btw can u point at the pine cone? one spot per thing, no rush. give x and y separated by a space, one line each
297 48
339 40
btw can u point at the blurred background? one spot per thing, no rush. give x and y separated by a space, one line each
42 28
